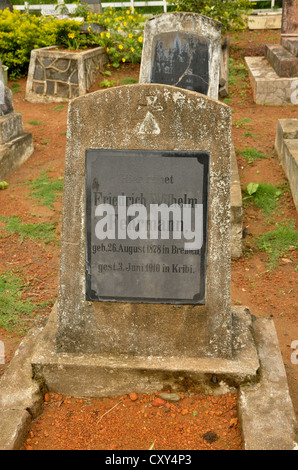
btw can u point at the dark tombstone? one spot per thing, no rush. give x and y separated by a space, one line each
181 59
182 50
145 257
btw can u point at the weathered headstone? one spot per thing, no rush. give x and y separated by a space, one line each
138 306
183 50
15 145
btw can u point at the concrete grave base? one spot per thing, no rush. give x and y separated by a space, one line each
265 19
257 373
14 154
56 76
99 376
286 145
268 87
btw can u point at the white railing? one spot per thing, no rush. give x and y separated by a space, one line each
50 9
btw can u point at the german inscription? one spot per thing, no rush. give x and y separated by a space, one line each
146 226
181 59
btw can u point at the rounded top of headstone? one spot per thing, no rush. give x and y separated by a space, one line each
184 16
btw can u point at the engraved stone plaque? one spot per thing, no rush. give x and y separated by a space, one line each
146 226
181 59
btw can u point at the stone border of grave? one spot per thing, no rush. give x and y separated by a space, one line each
58 76
266 411
265 19
286 146
268 88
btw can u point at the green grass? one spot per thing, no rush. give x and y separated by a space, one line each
279 242
34 123
60 107
41 231
45 191
265 196
14 312
252 155
128 81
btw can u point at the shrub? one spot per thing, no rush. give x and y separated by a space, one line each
123 38
20 33
231 13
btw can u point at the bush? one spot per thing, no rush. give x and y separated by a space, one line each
231 13
20 33
123 38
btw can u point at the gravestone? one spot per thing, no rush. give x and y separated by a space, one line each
16 146
284 57
5 4
144 301
183 50
275 79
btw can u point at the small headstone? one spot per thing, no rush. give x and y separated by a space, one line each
5 4
182 50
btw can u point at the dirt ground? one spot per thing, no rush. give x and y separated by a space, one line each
197 422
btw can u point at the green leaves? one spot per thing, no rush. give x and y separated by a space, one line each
252 188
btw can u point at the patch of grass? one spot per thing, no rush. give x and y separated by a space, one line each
40 231
241 123
129 81
279 242
251 155
60 107
14 311
45 191
34 123
264 195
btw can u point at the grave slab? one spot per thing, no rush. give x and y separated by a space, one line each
268 88
285 129
274 78
286 145
266 411
99 376
283 61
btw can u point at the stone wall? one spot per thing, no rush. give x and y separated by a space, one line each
55 75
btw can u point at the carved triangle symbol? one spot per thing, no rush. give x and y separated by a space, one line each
149 125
